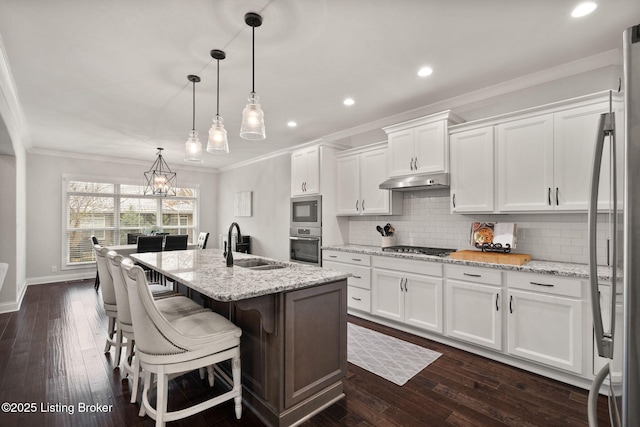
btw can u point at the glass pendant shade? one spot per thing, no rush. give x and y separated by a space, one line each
193 148
160 181
218 142
252 127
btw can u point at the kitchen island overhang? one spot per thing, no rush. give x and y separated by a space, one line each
293 318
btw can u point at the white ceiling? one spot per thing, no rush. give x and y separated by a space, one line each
110 77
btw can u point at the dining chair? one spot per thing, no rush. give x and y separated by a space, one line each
202 240
172 307
176 242
96 285
165 348
108 301
132 238
149 244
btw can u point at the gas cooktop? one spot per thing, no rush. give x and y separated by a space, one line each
419 250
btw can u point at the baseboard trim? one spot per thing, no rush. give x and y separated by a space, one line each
43 280
10 307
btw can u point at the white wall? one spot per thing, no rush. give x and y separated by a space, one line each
8 225
44 201
270 182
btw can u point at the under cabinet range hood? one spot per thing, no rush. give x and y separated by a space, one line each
417 182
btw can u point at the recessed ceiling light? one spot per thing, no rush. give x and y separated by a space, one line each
583 9
349 101
292 124
425 71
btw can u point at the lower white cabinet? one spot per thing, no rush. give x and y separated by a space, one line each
407 297
474 305
545 320
359 283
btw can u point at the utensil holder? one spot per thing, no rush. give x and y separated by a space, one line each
387 241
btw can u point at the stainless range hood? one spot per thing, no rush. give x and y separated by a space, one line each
417 182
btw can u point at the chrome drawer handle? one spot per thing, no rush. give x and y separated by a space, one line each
357 277
356 259
333 256
546 285
357 299
472 275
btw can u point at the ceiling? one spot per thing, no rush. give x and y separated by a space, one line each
109 78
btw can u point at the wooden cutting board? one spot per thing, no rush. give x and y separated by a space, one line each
493 257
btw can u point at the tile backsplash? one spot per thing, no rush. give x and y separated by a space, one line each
427 221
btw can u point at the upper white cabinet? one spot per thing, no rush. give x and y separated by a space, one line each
525 164
305 171
360 173
420 145
537 160
472 166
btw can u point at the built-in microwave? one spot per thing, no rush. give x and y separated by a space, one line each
306 211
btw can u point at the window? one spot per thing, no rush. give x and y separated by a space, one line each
110 211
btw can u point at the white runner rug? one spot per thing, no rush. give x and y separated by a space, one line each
390 358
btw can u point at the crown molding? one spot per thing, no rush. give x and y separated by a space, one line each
10 108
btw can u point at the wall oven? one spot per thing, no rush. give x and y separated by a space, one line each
304 245
306 212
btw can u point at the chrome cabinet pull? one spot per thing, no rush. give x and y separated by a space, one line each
511 304
401 290
557 200
357 277
357 201
357 299
356 259
362 205
454 200
333 256
546 285
472 275
415 163
549 197
497 302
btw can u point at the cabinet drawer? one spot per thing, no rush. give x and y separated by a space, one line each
360 276
347 257
487 276
408 265
359 299
547 284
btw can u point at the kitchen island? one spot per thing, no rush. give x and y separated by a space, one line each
294 326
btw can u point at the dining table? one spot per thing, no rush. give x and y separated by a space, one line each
126 250
293 319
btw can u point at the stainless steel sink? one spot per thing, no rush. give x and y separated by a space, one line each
256 264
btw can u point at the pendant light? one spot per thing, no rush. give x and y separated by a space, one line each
193 147
218 142
252 116
160 180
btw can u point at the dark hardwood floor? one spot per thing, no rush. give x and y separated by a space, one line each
51 355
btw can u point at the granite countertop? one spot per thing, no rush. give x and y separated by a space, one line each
205 271
543 267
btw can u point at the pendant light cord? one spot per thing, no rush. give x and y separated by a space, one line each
218 90
194 106
253 59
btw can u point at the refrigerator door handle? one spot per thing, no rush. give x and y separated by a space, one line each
604 341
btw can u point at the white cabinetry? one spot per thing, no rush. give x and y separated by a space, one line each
360 173
359 283
305 171
473 307
407 291
420 145
472 168
545 161
525 164
545 320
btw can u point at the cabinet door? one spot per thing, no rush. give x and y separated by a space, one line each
474 313
348 185
312 182
574 142
472 160
525 164
373 171
387 294
423 302
429 148
298 172
546 329
401 152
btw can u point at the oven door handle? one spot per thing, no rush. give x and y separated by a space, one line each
316 239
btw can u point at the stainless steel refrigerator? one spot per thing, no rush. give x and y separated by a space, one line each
616 317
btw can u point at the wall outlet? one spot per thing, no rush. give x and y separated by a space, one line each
54 269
